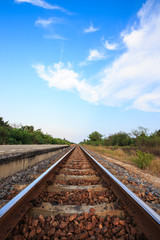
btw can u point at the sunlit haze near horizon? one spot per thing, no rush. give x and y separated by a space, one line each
74 67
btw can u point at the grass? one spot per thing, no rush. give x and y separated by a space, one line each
155 166
116 153
128 156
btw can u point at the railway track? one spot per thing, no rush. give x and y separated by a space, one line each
77 198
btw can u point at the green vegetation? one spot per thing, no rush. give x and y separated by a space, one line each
129 155
95 139
138 139
143 160
25 135
138 148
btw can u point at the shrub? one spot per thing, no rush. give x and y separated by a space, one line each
143 159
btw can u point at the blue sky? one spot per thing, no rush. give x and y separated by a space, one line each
74 67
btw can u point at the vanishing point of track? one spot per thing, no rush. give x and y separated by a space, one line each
77 198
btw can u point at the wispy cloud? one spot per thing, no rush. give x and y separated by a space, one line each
95 55
46 22
110 46
55 36
133 80
91 29
149 101
41 3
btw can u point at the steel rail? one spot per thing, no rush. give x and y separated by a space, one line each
15 209
146 218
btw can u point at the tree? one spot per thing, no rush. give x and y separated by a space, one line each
18 134
28 128
157 133
141 135
4 133
2 123
119 139
140 132
95 136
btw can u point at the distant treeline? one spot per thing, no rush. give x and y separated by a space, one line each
137 138
25 135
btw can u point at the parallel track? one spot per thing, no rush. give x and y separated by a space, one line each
87 202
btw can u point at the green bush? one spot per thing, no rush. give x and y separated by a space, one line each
143 159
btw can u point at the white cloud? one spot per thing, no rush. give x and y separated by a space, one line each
149 101
41 3
55 36
91 29
66 79
133 80
110 46
95 55
44 22
47 22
